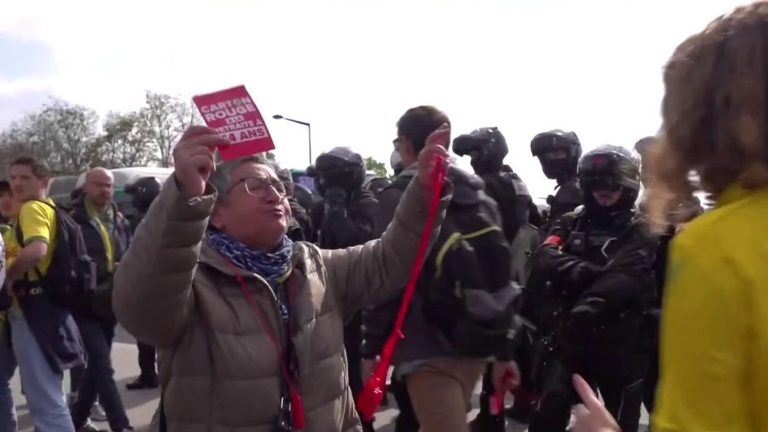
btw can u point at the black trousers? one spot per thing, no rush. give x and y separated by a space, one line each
652 378
147 354
353 340
617 373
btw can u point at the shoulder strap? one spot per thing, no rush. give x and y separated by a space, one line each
401 182
163 422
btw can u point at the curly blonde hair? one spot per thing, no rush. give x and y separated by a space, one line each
715 111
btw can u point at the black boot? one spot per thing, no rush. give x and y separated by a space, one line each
143 382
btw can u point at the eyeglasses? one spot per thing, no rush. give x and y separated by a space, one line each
396 143
258 186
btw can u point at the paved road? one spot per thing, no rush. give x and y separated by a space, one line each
142 404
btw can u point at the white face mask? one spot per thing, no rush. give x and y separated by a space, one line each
395 161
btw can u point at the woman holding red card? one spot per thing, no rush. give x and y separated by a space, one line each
247 323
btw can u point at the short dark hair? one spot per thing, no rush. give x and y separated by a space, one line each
5 187
39 168
417 123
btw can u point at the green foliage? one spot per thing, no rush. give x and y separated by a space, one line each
69 138
378 168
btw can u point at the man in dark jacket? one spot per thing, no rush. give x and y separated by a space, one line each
438 379
345 218
107 234
143 192
44 336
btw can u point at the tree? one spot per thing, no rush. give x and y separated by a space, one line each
61 133
14 142
124 142
377 167
164 119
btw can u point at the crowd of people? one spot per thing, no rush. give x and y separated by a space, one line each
269 314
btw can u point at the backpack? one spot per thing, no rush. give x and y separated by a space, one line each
70 280
513 199
467 283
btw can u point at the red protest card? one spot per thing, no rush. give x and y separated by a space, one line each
234 116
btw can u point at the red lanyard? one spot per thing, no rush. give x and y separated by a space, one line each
372 393
297 406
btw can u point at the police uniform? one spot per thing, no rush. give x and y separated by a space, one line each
593 281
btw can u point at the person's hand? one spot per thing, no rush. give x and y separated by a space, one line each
435 152
193 159
505 376
591 415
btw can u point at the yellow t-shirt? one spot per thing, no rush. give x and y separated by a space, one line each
714 326
38 223
12 250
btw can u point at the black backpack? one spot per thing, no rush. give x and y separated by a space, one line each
466 282
70 280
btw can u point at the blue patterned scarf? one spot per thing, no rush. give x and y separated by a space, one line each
270 266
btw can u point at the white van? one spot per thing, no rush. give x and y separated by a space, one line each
124 176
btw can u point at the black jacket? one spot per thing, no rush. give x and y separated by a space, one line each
619 277
422 341
121 238
347 224
300 225
514 201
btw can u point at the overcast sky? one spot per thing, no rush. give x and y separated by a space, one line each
351 68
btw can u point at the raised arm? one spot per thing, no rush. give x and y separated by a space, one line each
153 284
153 296
374 272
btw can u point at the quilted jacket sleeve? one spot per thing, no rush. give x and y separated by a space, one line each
368 274
152 295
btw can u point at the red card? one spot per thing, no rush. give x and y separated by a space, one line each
234 116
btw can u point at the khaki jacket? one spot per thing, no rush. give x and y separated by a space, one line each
218 368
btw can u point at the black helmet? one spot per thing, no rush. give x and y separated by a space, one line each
486 146
143 191
340 167
610 167
545 144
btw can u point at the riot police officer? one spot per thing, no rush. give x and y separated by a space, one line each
345 218
487 148
558 152
593 280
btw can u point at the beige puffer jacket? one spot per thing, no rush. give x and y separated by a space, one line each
217 365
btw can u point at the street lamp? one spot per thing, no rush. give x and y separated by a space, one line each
309 130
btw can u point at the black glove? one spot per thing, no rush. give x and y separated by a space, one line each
629 259
583 318
335 202
584 274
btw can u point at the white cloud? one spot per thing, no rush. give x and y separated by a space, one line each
353 67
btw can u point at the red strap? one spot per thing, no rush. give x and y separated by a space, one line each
371 395
554 240
297 408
